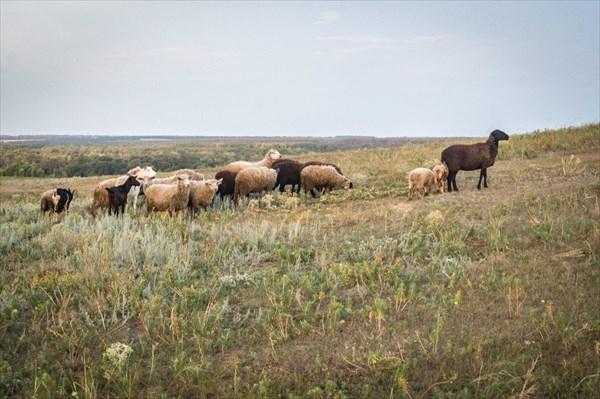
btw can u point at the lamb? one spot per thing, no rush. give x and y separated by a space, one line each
227 186
471 157
254 180
101 195
289 173
49 201
168 197
117 195
267 161
421 178
323 178
441 175
202 194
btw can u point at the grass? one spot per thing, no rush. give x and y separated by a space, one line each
358 294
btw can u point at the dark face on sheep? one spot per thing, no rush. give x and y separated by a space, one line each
347 184
499 135
133 181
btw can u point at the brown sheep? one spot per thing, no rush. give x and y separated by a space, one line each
323 178
254 180
472 157
168 197
421 178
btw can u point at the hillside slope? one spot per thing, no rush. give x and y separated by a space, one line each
357 294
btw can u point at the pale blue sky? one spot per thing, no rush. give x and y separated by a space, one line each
298 68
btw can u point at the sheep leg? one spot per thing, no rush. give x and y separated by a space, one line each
452 181
482 175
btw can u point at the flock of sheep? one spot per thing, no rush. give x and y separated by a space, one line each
188 189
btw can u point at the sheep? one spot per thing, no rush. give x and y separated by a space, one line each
117 195
101 195
267 161
65 198
441 175
323 178
471 157
227 186
421 178
202 194
319 163
254 180
191 174
49 201
168 197
289 173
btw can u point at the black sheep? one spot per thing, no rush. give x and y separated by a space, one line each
227 186
289 173
471 157
66 196
117 195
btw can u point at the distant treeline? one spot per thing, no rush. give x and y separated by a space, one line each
97 156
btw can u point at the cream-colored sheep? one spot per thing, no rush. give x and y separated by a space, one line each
324 178
267 161
254 180
191 174
441 175
101 195
421 178
49 201
168 197
202 193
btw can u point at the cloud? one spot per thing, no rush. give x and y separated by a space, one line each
328 17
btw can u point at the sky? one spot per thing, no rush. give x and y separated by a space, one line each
384 69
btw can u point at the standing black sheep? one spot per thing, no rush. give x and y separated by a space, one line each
471 157
117 195
227 185
289 173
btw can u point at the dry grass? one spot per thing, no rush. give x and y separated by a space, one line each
490 293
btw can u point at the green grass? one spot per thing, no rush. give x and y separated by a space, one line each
358 294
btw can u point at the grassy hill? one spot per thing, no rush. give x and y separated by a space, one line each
357 294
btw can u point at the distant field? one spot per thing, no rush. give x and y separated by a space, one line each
357 294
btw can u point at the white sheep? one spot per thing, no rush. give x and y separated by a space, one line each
267 161
421 178
168 197
202 193
323 178
441 175
254 180
101 195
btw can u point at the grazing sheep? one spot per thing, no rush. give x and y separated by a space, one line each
441 175
323 178
254 180
64 202
289 173
117 195
471 157
49 201
319 163
101 195
191 174
168 197
421 178
267 161
202 194
227 186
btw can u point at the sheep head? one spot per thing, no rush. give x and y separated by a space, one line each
273 155
498 135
